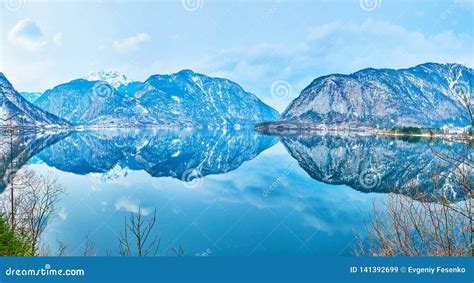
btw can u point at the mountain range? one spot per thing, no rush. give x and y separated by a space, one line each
377 164
112 77
160 153
16 111
17 149
428 95
31 96
183 99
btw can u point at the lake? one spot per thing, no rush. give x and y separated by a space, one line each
226 192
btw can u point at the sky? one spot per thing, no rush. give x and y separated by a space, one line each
271 48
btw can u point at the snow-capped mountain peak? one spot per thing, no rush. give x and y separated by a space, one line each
112 77
427 95
184 99
17 111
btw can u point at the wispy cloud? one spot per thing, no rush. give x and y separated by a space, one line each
335 47
131 43
28 35
58 39
126 204
292 41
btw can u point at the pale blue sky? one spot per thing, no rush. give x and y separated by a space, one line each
254 43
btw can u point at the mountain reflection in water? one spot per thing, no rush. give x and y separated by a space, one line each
256 194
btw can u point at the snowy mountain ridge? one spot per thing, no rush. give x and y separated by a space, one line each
427 95
112 77
183 99
16 111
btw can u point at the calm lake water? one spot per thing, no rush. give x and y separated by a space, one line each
226 192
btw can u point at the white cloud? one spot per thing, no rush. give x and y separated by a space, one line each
335 47
62 214
386 45
29 75
324 30
58 39
131 43
28 35
130 206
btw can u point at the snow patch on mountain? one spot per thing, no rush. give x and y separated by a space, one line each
184 99
17 111
427 95
31 96
112 77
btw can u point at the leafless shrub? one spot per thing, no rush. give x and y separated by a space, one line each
62 247
10 141
421 226
138 232
179 251
33 203
463 92
89 247
409 227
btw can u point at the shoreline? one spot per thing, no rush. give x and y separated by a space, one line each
292 129
268 128
448 137
80 128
